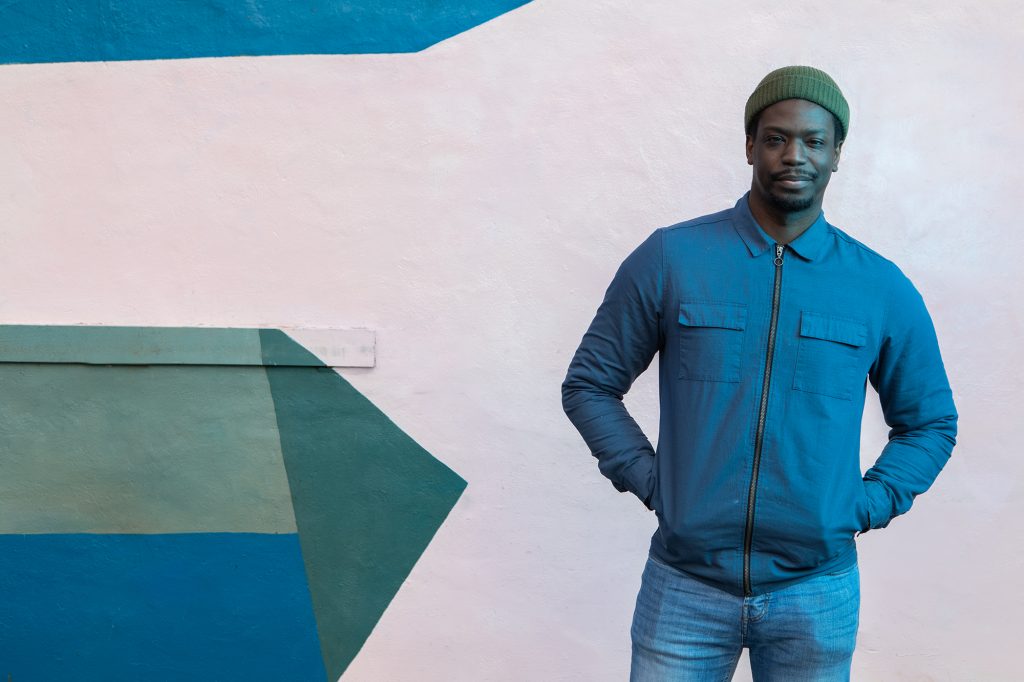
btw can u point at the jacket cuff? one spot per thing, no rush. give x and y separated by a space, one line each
641 480
879 503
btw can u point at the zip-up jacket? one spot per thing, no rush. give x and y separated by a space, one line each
764 354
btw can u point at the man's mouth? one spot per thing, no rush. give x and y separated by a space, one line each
793 181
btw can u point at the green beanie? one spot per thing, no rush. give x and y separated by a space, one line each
798 82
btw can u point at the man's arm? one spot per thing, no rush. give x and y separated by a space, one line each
617 348
917 404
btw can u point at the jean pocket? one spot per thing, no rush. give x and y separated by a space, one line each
827 353
711 340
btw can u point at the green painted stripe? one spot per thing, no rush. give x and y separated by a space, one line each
129 345
367 498
97 345
165 449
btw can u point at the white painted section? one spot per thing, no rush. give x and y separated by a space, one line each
471 202
338 347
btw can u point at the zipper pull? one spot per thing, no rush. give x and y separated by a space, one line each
778 253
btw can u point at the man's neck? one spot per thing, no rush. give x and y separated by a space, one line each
780 225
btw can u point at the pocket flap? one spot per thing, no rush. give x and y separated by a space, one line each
819 326
722 315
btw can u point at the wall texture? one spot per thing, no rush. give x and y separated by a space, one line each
471 201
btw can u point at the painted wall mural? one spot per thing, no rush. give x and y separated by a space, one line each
197 504
115 30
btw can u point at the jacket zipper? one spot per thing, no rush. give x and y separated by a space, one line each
748 536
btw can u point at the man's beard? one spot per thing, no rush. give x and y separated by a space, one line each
790 204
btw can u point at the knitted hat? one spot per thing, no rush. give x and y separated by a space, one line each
798 82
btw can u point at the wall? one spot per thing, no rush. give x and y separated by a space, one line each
470 202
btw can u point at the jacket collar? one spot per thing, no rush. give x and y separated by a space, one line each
809 245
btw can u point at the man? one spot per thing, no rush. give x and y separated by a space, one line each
768 321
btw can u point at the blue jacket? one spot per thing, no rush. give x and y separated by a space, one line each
763 354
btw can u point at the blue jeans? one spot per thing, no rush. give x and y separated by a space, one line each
686 631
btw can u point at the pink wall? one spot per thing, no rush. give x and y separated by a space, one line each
470 203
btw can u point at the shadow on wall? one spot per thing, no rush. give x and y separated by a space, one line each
117 30
246 517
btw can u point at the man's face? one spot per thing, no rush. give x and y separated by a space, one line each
793 151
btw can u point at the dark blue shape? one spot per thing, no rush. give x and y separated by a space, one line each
110 30
203 606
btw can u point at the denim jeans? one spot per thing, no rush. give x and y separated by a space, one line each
686 631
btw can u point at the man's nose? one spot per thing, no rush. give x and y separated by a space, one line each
794 154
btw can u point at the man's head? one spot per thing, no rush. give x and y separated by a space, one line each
796 120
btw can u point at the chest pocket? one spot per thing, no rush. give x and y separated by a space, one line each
711 340
826 361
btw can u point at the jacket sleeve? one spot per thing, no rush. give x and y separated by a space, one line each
917 404
616 349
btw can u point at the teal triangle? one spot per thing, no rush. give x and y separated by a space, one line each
367 499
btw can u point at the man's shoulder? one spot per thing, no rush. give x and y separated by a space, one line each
709 219
867 254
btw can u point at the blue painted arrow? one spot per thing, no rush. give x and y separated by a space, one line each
33 31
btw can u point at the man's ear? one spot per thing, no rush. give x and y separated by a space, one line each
835 162
750 150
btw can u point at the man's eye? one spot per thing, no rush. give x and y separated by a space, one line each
773 139
816 143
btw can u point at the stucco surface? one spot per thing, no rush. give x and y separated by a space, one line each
471 202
